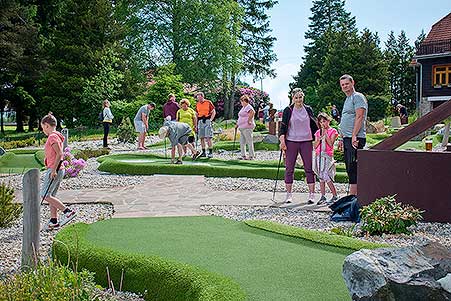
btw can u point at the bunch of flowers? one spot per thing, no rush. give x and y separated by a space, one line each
72 165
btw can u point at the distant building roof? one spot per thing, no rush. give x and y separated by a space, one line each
440 31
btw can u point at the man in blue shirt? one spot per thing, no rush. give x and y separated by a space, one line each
352 128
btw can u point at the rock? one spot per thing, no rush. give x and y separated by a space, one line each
2 151
375 127
410 273
272 139
438 127
445 282
396 122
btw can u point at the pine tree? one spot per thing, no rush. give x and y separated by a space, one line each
328 16
256 39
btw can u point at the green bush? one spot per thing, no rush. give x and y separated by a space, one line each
385 215
339 156
126 131
18 143
259 127
378 107
85 154
161 278
9 211
53 282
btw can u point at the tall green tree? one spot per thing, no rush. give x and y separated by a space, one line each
194 35
256 39
401 76
74 47
19 60
328 17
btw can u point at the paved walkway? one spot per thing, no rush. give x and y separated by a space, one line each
170 195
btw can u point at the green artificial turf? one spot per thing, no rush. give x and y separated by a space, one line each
20 162
148 164
267 265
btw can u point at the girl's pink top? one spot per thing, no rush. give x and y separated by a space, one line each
329 149
243 117
50 154
299 126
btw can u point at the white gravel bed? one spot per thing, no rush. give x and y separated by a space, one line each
230 184
424 232
11 238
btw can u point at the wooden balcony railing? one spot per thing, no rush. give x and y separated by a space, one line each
436 47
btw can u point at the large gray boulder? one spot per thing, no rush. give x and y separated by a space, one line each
411 273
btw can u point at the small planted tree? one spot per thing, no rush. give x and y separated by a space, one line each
126 132
385 215
9 211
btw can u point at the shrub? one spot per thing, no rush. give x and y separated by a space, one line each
18 143
9 211
126 131
72 165
378 107
385 215
259 127
85 154
339 156
52 282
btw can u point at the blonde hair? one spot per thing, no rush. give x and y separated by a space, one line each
245 98
184 100
49 119
106 103
296 91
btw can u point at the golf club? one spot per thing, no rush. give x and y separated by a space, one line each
165 153
277 177
234 139
51 182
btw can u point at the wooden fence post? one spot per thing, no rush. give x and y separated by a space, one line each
31 218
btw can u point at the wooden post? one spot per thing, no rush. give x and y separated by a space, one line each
65 133
31 218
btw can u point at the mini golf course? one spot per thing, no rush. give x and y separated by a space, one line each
149 164
20 161
209 258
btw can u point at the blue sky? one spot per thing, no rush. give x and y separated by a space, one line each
289 21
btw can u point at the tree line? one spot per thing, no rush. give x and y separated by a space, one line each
67 56
336 47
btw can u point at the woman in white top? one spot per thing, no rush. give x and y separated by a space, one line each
107 120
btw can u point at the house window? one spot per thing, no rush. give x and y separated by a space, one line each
442 75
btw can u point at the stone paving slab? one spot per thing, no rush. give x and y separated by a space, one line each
169 195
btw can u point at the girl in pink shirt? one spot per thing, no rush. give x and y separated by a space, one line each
324 164
53 150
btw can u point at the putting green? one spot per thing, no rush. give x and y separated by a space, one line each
266 265
20 162
149 164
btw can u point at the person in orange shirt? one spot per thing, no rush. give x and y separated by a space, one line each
206 112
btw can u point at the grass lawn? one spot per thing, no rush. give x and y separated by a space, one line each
268 266
21 161
148 164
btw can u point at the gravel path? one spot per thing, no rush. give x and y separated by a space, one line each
439 232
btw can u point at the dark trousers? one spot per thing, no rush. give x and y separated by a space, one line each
350 154
106 130
304 148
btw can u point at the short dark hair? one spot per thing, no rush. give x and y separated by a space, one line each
152 104
346 76
49 119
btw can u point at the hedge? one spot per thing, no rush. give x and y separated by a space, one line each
232 169
326 238
154 277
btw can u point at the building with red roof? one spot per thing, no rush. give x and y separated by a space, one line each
433 66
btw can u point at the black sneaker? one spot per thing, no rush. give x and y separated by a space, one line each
195 156
51 226
202 155
210 155
178 162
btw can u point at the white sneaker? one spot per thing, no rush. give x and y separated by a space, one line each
288 198
311 198
67 217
